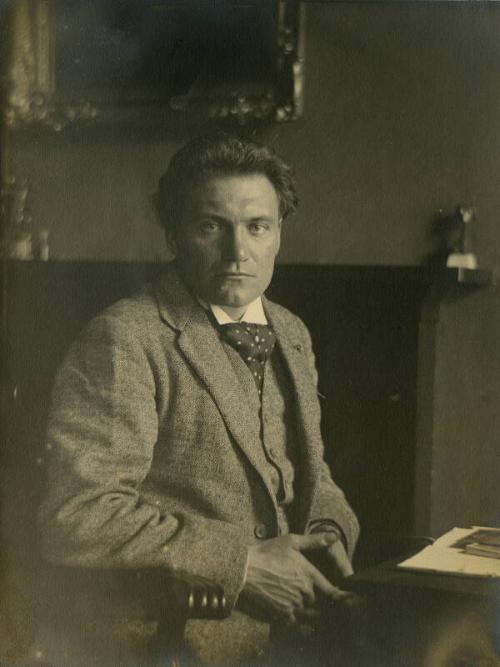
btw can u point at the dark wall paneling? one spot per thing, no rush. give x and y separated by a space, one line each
458 460
364 325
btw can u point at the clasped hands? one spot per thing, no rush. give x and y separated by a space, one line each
285 584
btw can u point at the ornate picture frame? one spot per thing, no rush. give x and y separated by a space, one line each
69 62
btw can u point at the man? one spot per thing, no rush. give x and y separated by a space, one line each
185 425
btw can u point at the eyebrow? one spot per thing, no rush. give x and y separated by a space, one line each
220 218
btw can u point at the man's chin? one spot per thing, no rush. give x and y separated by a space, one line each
233 299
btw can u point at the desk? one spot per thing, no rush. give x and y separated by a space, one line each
388 576
425 620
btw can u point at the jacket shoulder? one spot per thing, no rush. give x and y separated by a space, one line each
286 317
136 312
131 321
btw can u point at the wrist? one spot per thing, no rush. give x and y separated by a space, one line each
327 526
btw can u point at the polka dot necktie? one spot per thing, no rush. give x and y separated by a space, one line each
254 342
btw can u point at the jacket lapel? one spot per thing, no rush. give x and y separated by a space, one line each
297 362
199 343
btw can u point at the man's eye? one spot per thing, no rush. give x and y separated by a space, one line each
210 226
258 228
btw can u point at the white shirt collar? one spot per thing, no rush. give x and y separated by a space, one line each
254 313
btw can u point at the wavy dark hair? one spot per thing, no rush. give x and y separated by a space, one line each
219 154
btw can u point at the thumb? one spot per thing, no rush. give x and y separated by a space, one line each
340 560
314 541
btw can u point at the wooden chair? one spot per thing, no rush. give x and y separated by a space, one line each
79 602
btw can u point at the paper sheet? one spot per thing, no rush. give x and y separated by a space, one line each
443 557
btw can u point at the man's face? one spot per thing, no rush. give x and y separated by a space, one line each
228 240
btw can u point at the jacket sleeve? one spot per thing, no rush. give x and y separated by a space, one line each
329 505
102 433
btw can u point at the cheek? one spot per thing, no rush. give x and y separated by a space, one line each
267 267
274 245
269 254
200 254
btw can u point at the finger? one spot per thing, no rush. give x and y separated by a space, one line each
308 613
308 596
312 541
349 602
337 554
322 583
290 618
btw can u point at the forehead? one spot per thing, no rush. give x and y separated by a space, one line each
251 194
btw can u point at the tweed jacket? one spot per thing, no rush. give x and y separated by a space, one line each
153 458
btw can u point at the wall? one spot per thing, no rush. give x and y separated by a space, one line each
400 120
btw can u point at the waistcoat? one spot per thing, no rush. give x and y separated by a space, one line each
274 421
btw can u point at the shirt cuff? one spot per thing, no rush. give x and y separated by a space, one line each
327 526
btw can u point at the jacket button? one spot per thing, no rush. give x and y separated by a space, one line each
260 531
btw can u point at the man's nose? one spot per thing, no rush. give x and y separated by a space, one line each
236 246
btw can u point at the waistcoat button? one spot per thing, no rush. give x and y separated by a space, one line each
260 531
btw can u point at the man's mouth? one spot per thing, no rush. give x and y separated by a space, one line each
234 274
